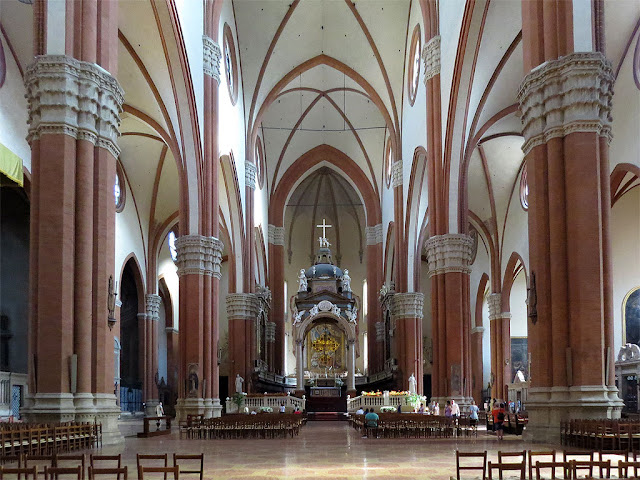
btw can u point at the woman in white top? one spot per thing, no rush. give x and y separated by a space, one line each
282 408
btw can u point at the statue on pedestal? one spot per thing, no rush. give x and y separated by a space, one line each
302 279
346 281
413 384
239 382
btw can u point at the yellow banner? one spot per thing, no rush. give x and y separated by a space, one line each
11 165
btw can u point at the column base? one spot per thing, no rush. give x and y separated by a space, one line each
150 407
216 408
82 407
189 406
208 407
548 406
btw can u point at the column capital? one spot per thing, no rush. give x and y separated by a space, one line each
447 253
571 94
396 174
250 175
199 255
431 58
242 306
152 305
374 234
407 305
477 330
495 305
275 235
71 97
212 53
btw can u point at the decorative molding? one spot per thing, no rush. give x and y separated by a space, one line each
75 98
396 174
374 234
152 306
407 305
250 175
571 94
495 305
275 235
270 332
380 332
477 330
211 58
242 306
449 253
431 58
199 255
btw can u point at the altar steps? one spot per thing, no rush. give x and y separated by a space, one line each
327 416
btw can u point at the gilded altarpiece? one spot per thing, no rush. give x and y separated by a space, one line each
325 347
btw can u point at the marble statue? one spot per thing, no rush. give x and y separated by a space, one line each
239 382
324 242
413 384
335 310
351 314
314 311
346 281
297 317
302 278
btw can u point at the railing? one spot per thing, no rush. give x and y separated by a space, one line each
384 400
256 403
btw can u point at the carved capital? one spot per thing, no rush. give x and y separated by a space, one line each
275 235
396 174
407 305
211 58
250 175
571 94
199 255
152 305
70 97
242 306
449 253
431 58
374 234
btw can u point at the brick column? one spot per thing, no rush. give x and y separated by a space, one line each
476 364
374 281
565 101
406 312
500 332
242 312
152 307
198 257
449 257
74 109
276 283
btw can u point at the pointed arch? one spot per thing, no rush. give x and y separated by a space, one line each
515 265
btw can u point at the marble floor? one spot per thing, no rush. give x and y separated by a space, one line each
323 450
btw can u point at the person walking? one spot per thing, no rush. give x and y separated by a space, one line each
473 415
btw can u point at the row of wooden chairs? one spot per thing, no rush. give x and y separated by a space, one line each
50 439
546 465
52 466
264 425
403 425
605 434
513 423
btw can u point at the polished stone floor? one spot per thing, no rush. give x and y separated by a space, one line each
323 450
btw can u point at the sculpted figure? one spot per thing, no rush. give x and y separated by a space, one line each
346 281
302 279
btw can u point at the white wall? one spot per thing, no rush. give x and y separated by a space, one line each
518 306
128 236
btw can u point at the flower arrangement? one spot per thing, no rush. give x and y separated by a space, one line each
387 409
258 395
266 410
395 393
372 394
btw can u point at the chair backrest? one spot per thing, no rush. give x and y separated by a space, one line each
628 469
53 473
506 467
474 455
553 466
535 455
193 460
604 468
77 460
39 461
19 472
100 460
112 472
175 470
520 456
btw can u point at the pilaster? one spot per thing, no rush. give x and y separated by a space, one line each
211 58
431 58
275 235
250 175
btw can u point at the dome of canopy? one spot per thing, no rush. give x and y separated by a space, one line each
323 270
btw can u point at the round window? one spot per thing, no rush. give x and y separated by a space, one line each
413 78
119 191
230 64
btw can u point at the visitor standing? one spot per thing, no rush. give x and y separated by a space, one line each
455 409
473 414
447 409
283 409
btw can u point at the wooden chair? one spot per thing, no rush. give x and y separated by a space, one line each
98 462
18 472
53 473
604 468
165 470
17 459
625 467
506 467
535 455
566 469
39 461
78 460
142 458
197 457
475 455
580 455
112 472
521 455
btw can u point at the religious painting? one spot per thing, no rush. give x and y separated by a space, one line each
519 357
631 312
456 377
326 349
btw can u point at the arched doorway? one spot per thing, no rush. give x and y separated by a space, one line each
131 355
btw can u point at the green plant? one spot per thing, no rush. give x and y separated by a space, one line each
238 399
